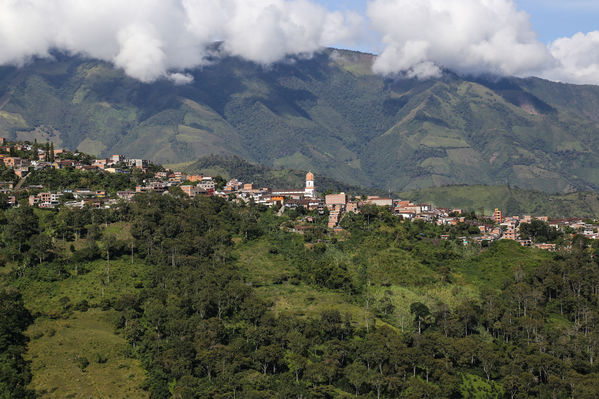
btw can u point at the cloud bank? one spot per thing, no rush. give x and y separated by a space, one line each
579 59
155 39
152 39
421 37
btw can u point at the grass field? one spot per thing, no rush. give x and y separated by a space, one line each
92 284
61 337
493 267
57 347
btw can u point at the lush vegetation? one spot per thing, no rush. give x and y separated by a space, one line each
214 299
7 174
328 114
14 371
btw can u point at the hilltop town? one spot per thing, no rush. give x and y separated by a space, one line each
24 159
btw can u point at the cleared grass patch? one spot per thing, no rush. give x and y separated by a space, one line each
120 230
57 349
305 301
261 267
497 264
61 338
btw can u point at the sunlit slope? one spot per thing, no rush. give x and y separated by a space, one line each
328 114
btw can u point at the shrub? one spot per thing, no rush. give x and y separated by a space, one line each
82 306
81 362
99 358
65 302
105 304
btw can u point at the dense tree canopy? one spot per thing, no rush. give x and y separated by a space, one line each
202 330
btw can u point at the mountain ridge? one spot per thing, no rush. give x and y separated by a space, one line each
330 114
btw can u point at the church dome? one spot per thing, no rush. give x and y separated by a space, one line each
309 176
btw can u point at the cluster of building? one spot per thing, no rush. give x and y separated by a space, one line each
33 157
120 164
40 158
497 228
79 198
508 228
192 185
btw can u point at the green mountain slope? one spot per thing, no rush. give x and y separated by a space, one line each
328 114
231 166
512 201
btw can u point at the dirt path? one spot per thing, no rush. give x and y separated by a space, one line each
20 183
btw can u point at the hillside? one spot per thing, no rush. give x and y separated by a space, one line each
328 114
231 166
170 297
512 201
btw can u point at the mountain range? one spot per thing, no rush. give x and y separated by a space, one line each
328 113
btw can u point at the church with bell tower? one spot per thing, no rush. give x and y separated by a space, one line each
310 191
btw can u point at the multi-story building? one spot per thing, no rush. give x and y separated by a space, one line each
193 191
334 200
497 216
16 162
207 184
118 158
379 201
45 200
137 163
125 195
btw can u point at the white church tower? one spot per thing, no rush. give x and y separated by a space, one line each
310 188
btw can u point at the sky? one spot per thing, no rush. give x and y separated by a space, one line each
165 39
551 19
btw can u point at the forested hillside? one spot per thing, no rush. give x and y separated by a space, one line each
329 114
167 297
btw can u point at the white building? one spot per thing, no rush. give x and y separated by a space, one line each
310 190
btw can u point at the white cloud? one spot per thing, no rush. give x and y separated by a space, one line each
466 36
180 78
141 53
151 39
154 39
578 58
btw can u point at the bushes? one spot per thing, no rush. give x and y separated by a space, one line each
81 362
87 254
82 306
99 358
